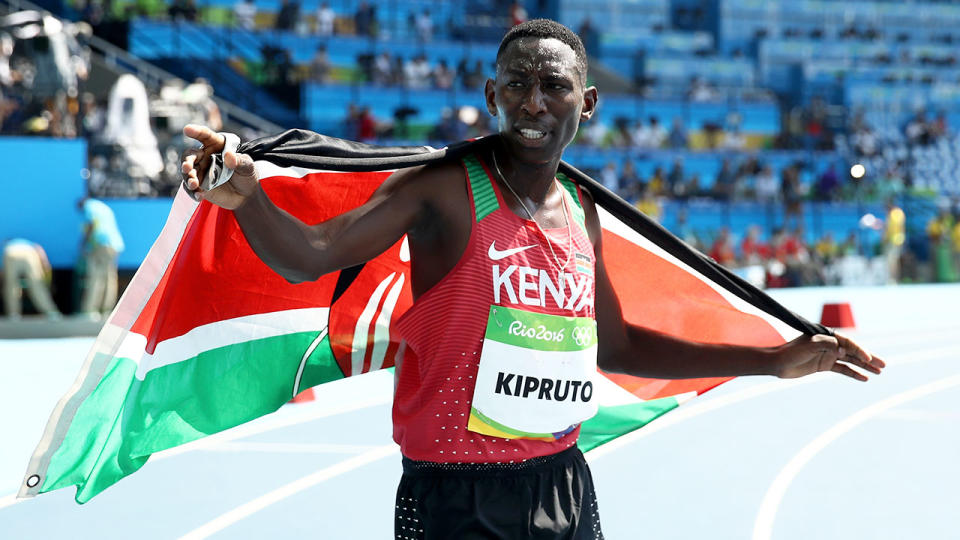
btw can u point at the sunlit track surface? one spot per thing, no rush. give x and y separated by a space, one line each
821 457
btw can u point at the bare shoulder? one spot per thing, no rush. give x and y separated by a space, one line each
427 179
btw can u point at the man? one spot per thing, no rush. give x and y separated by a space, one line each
25 265
894 236
502 210
102 243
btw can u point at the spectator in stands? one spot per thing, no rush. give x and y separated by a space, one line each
416 72
955 239
700 90
917 131
245 14
364 19
382 72
398 70
609 177
442 75
595 132
590 37
939 230
791 190
651 135
620 136
675 178
734 140
424 26
183 10
518 14
320 65
723 184
865 141
476 77
25 265
325 19
826 249
827 187
658 183
890 184
101 244
288 15
894 237
722 249
648 204
939 128
752 249
629 180
677 138
451 128
366 126
765 186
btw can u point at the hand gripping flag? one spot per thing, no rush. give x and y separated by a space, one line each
207 337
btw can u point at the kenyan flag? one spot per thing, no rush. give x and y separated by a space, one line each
207 337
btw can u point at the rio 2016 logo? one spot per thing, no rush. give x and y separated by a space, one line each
583 335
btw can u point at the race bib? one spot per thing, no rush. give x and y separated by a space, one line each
535 378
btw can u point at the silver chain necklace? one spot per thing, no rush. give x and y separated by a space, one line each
566 218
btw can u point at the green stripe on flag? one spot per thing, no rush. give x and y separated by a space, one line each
126 419
612 422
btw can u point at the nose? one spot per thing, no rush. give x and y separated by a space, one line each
533 102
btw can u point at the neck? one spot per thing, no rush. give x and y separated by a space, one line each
531 181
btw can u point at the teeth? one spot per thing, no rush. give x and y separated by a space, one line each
532 133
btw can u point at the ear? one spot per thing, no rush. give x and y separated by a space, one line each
590 99
490 93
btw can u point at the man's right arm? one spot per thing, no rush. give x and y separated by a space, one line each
295 250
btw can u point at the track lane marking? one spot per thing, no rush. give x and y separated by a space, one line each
763 526
245 510
687 412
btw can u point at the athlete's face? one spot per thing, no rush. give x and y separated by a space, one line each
539 98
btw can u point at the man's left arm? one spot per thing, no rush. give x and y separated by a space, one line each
635 350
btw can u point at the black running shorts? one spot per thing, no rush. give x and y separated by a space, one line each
549 497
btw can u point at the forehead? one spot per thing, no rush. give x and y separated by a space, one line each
532 53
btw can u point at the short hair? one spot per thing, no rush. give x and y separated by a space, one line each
547 29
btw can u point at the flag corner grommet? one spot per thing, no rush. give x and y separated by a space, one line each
33 480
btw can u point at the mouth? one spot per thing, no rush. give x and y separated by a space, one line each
531 135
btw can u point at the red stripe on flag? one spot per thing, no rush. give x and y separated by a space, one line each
655 293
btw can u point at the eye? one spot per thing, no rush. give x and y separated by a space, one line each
514 84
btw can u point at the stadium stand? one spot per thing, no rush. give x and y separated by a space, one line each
714 114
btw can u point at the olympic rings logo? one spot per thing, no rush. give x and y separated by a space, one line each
583 336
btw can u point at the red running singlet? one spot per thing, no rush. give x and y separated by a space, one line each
507 263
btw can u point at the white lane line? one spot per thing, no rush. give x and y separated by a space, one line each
290 448
318 477
763 526
687 412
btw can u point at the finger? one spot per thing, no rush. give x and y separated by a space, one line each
861 364
852 348
241 164
844 369
188 163
203 134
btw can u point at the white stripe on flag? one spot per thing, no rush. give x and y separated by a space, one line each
361 332
381 330
221 334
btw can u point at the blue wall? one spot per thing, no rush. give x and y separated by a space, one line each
41 185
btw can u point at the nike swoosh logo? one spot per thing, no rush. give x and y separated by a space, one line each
496 254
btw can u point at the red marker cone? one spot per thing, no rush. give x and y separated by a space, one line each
837 315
